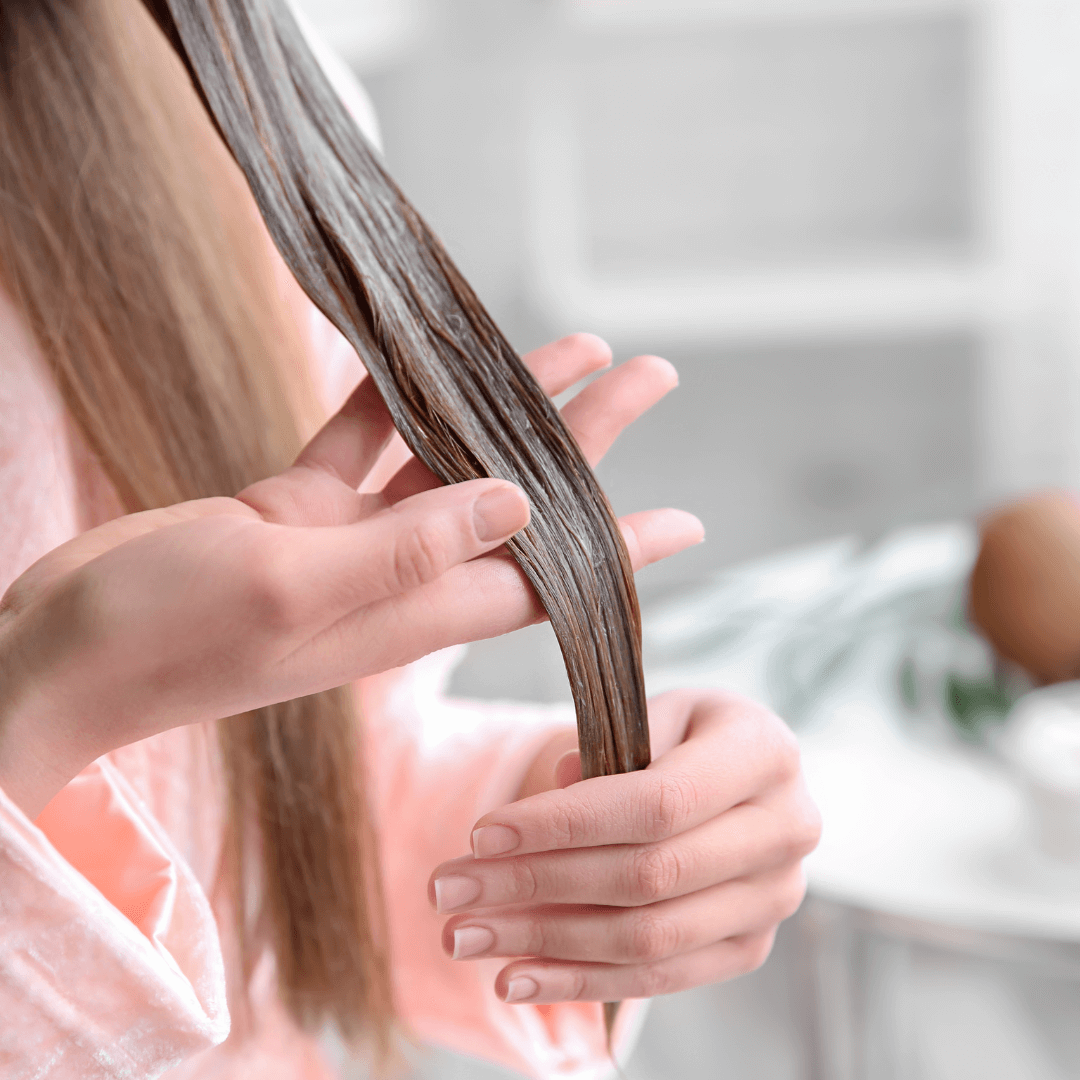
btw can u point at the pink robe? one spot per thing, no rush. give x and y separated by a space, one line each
113 946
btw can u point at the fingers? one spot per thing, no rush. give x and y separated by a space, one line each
487 597
745 841
595 417
413 477
562 363
652 535
349 443
736 750
694 899
538 981
556 367
324 574
639 935
320 487
732 744
308 496
605 407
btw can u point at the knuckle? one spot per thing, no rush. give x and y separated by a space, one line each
796 893
787 896
82 608
419 556
671 806
569 826
579 986
537 938
801 830
768 732
84 599
807 830
264 585
754 952
654 874
651 937
788 756
524 883
653 980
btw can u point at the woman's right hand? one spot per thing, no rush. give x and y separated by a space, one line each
218 606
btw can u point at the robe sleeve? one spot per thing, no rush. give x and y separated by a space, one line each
109 958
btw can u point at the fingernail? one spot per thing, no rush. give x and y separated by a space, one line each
521 989
454 892
499 513
494 840
472 940
568 769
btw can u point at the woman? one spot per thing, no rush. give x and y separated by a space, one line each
160 887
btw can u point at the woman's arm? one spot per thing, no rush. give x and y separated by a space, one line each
218 606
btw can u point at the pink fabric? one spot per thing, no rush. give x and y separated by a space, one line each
113 945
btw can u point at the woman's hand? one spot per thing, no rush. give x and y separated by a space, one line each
300 583
645 883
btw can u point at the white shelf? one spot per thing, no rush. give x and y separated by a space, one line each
615 15
897 293
920 297
1018 292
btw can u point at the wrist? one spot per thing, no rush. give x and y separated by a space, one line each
35 759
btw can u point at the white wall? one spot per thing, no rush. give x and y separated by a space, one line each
851 225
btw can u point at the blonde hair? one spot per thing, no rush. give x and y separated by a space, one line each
130 242
165 364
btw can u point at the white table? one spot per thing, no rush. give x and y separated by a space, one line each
927 842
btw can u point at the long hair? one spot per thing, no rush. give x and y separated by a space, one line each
138 267
456 390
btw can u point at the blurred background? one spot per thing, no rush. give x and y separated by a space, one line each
854 227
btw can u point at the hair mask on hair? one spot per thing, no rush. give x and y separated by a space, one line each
457 392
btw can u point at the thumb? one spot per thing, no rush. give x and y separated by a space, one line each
407 545
568 769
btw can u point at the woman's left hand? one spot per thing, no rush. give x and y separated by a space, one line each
644 883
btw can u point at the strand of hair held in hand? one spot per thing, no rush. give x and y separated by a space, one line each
457 392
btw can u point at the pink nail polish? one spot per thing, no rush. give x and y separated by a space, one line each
455 892
471 941
521 989
492 840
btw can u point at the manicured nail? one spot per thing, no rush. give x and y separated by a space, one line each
471 941
492 840
521 989
499 513
455 892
